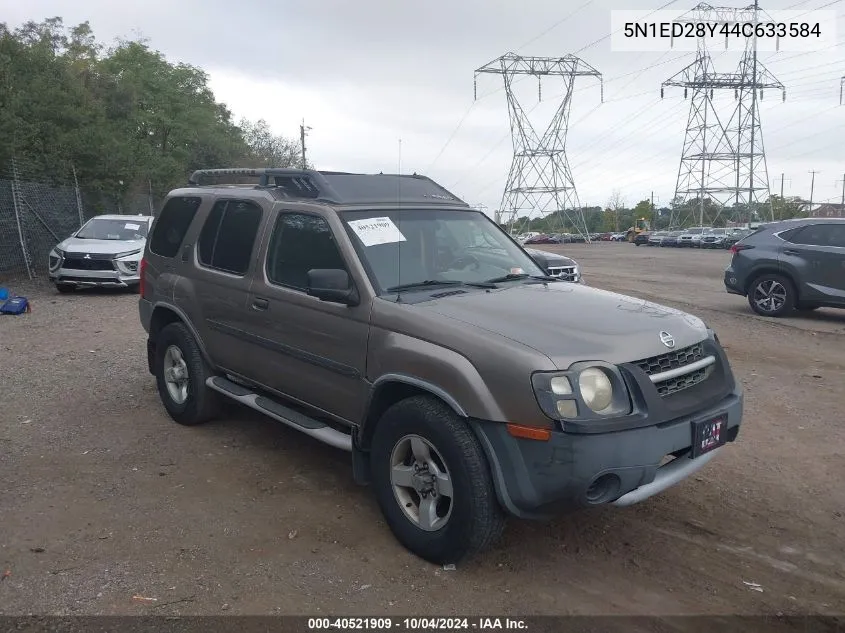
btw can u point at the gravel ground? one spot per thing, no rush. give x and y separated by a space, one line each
108 507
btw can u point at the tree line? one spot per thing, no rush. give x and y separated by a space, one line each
123 118
617 216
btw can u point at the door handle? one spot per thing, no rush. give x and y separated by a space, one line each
790 252
260 304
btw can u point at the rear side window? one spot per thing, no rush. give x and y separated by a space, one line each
813 235
228 236
172 224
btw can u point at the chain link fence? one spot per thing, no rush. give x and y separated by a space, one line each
35 216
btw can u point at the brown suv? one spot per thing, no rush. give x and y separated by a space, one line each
384 316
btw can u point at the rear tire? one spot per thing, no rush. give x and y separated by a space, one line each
464 515
771 295
181 372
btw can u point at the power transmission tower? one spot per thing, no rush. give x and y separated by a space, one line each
540 179
722 162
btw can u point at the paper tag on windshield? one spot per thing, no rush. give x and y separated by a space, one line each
132 227
376 231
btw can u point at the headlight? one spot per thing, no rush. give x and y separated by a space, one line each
127 263
596 389
586 391
55 259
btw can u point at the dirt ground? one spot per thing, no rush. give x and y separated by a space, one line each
106 504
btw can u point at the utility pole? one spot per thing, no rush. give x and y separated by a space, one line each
812 186
781 186
303 130
842 204
653 220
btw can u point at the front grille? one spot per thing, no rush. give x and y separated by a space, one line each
674 385
80 263
675 360
671 360
567 273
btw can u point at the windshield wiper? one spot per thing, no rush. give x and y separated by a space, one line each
440 282
512 276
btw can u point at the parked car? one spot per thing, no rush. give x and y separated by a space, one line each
466 383
735 235
105 251
714 238
656 238
617 237
691 238
545 238
556 265
671 238
790 265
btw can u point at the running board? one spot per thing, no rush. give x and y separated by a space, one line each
316 429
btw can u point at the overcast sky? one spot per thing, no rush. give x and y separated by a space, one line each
366 74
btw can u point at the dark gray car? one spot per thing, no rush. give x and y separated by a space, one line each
794 264
384 316
557 265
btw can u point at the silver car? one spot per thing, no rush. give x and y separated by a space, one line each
106 251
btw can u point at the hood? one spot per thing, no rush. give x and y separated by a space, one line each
104 247
570 323
550 257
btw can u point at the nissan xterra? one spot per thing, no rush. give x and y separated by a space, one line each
384 316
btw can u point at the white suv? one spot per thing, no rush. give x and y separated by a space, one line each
692 236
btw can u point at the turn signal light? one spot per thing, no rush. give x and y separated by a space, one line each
529 432
740 247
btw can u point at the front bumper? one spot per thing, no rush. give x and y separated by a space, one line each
536 479
93 278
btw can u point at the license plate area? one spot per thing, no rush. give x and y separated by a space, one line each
709 434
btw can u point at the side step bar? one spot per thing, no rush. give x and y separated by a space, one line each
316 429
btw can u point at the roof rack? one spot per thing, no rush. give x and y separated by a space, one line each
338 187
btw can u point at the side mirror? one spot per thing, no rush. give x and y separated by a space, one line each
332 284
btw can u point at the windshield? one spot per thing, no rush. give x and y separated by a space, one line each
112 229
695 231
718 231
447 246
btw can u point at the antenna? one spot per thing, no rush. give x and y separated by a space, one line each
399 225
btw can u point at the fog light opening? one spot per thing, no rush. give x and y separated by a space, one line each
603 489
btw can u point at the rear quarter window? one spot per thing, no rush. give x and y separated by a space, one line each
172 224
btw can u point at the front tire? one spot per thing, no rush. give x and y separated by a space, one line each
433 483
771 295
65 288
181 372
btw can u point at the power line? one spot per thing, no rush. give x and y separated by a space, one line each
603 38
555 25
